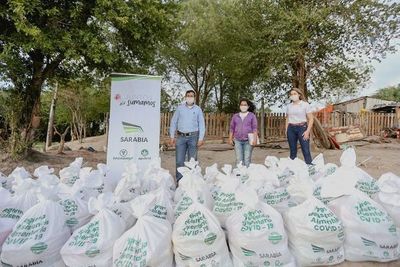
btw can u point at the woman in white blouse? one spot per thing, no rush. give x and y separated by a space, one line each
299 122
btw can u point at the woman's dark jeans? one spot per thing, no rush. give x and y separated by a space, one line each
294 134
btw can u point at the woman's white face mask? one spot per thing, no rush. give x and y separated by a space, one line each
294 98
244 108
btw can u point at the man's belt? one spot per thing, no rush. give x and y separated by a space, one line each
187 134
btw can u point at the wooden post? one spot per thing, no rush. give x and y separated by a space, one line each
49 135
397 121
262 122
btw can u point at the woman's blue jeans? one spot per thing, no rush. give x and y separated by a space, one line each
243 151
294 134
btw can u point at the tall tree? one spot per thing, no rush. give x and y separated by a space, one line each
322 47
41 39
391 93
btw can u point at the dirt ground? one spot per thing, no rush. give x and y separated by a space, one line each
378 159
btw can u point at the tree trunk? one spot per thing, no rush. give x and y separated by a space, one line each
62 140
106 120
49 136
299 78
31 118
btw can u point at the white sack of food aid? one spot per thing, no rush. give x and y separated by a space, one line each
225 203
316 234
370 232
76 210
283 173
259 175
129 186
277 197
148 242
155 175
40 233
365 182
70 174
210 178
198 239
257 235
15 177
162 207
192 182
92 244
389 196
5 182
91 183
268 187
12 207
240 172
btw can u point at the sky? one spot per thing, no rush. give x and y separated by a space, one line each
386 73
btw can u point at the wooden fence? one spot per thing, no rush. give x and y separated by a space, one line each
217 124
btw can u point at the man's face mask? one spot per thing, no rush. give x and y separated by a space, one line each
190 100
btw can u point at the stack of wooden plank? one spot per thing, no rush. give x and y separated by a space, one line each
345 133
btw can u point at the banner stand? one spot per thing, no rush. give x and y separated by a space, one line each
134 126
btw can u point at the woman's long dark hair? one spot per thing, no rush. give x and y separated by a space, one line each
252 107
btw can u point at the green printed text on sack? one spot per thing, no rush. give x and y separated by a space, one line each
226 203
195 224
256 220
29 229
133 254
87 235
324 220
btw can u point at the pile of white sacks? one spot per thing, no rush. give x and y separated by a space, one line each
281 213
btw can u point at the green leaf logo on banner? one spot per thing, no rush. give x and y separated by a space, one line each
131 128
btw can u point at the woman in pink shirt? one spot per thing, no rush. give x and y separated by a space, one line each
243 124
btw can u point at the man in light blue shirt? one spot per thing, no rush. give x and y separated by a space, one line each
187 131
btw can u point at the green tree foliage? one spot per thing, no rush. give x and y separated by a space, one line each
322 47
43 39
391 93
82 104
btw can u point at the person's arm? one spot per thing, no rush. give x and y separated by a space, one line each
310 122
202 128
286 124
172 128
231 130
287 120
254 128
